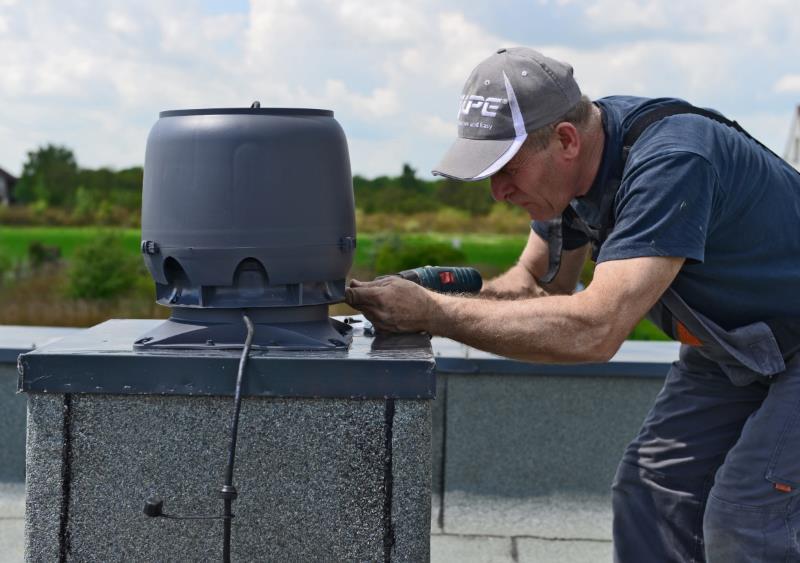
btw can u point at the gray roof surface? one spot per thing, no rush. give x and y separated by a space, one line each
12 521
16 340
445 547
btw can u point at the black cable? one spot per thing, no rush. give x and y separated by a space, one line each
171 517
228 490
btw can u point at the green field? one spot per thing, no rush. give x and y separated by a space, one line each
497 251
14 241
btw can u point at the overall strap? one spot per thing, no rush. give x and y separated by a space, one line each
641 123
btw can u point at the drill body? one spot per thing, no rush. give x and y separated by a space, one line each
445 279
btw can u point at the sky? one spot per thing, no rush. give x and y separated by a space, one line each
93 76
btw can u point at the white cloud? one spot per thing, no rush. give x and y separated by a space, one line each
438 127
622 14
744 21
392 71
378 157
649 68
119 22
381 102
381 22
789 83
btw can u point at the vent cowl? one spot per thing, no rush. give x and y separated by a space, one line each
247 207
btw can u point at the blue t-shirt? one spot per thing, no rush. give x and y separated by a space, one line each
698 189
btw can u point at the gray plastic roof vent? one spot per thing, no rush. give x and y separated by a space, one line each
248 208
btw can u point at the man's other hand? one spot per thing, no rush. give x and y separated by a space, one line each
392 304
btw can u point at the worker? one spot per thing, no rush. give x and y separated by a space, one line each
691 221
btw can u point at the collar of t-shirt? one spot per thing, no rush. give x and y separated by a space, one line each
595 206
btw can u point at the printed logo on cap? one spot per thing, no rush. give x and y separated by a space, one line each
489 106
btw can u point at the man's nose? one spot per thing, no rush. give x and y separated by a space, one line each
501 187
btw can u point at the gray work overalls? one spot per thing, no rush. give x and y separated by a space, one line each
714 473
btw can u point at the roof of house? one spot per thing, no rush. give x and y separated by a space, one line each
5 175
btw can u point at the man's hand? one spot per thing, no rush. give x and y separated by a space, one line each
392 304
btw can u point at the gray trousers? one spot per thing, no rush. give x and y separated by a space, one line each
714 474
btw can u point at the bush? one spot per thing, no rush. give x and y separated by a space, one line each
646 330
6 267
450 220
40 254
473 198
392 255
506 219
103 269
83 209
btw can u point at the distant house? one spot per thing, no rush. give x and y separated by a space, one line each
7 182
792 152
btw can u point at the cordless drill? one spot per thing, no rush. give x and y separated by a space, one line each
444 279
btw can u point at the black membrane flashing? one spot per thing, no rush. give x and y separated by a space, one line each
66 481
388 482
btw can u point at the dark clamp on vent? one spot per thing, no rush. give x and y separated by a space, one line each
347 244
149 247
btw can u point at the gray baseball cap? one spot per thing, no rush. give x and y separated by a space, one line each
513 92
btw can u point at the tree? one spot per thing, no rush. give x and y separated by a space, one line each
408 178
50 175
400 194
473 197
103 268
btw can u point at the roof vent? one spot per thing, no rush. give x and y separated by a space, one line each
248 208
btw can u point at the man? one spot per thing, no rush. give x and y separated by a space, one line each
689 219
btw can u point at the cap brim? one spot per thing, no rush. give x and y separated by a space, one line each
475 159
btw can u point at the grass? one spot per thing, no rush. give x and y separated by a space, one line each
496 251
14 241
646 330
40 300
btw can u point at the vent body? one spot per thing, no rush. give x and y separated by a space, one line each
247 208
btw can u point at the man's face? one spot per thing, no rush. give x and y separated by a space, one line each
539 182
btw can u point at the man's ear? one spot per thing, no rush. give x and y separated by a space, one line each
569 140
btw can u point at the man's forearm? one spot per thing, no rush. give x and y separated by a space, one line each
515 283
549 329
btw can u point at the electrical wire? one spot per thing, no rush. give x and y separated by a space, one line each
228 490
